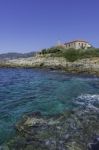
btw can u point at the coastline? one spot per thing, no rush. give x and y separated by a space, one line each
88 66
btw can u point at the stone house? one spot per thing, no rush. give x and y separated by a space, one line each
78 44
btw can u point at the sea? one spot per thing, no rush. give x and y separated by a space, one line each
50 92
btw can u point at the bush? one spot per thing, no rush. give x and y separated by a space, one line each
71 54
90 53
53 50
44 51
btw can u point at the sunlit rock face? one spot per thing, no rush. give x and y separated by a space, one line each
89 65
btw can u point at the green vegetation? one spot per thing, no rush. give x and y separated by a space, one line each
71 54
51 50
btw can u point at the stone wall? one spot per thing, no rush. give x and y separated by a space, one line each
77 45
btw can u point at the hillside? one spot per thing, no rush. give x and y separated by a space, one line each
71 54
7 56
75 61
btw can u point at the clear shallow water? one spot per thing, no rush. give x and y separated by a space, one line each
50 92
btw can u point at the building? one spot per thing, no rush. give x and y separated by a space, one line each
78 44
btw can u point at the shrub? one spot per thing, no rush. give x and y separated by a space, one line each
71 54
53 50
42 64
44 51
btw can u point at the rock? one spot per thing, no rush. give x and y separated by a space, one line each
94 145
74 146
34 122
71 130
87 65
4 148
66 137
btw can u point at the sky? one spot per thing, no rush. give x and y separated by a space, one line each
31 25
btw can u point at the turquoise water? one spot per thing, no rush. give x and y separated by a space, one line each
50 92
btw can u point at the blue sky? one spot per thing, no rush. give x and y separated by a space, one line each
30 25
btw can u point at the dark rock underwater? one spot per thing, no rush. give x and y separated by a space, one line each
73 130
48 110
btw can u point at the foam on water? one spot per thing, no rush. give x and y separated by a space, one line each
88 101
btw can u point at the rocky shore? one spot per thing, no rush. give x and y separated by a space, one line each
76 129
73 130
89 65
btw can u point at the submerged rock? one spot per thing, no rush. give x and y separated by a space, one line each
94 145
34 122
71 130
4 148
